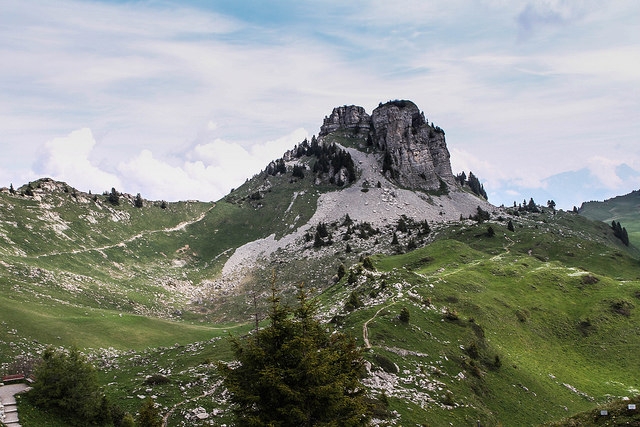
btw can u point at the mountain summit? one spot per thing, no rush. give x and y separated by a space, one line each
373 170
416 154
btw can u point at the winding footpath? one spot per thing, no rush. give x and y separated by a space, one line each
8 408
365 327
180 227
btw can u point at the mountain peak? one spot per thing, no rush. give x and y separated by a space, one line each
415 153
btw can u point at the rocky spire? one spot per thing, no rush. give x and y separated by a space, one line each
415 152
418 151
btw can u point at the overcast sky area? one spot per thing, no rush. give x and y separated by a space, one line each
187 99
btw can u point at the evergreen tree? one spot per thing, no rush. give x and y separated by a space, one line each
481 215
317 241
138 201
510 226
625 236
149 416
298 171
424 228
401 226
11 189
411 245
404 315
68 385
476 186
321 229
620 232
114 197
296 373
353 302
128 421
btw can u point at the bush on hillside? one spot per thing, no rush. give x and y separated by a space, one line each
67 385
295 372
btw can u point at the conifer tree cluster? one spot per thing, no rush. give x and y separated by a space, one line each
330 159
276 167
473 182
620 232
530 206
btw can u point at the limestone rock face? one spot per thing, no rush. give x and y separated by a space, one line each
417 151
348 117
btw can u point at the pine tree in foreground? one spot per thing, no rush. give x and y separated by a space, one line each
295 373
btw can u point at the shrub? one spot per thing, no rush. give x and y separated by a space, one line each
404 315
157 379
68 385
353 302
368 264
386 364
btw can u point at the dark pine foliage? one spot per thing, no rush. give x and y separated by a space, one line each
298 171
473 182
620 232
276 167
330 159
481 215
476 186
114 197
295 373
67 385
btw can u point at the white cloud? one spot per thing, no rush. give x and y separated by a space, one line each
67 159
210 171
604 170
188 84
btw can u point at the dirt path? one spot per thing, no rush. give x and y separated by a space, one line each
365 327
181 226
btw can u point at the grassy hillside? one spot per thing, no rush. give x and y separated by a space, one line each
515 327
501 329
624 209
78 270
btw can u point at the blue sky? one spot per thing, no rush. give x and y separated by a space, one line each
187 99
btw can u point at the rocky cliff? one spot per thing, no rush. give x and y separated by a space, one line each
349 117
413 152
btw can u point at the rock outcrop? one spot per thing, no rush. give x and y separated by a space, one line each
414 152
348 117
417 151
